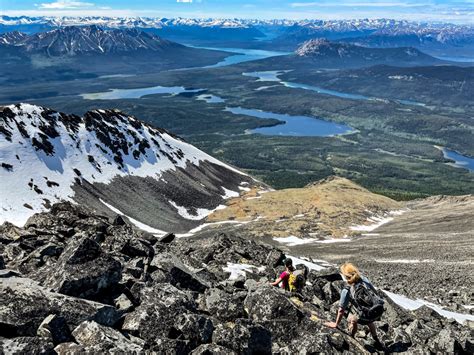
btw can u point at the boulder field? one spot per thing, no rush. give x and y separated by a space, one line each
72 281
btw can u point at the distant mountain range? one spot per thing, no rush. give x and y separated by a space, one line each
73 52
350 29
186 29
297 30
125 22
111 162
74 40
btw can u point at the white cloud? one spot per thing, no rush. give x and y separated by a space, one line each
186 1
66 4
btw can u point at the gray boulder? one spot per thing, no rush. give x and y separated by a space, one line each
212 349
55 328
26 345
272 308
29 304
156 315
84 270
244 337
445 342
223 305
194 328
395 315
69 348
90 334
178 274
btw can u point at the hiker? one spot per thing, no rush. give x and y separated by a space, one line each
361 299
284 277
291 280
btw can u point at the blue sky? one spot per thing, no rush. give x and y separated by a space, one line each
457 11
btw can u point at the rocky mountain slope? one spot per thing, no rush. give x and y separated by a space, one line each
73 40
431 242
111 162
76 282
394 242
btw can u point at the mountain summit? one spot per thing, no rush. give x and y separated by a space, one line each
73 40
321 49
111 162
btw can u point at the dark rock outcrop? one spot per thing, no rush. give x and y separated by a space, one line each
84 270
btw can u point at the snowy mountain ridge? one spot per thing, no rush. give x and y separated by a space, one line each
45 154
122 22
73 40
381 24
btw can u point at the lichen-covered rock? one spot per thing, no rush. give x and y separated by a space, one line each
104 339
444 342
272 308
167 346
159 307
26 345
29 304
44 255
244 337
84 270
212 349
395 315
69 348
223 305
196 329
55 328
178 273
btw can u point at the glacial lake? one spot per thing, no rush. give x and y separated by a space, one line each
299 126
273 76
303 126
115 94
461 161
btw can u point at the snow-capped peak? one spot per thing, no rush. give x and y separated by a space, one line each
44 153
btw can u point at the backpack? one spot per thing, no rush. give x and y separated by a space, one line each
292 282
296 281
368 304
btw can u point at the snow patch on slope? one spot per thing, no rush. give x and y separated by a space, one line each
40 176
411 305
200 214
376 221
237 270
138 224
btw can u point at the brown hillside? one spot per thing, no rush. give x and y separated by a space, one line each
325 208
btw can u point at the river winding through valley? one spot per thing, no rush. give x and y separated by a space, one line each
290 125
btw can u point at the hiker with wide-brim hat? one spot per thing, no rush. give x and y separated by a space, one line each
360 299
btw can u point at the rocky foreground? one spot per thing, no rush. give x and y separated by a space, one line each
76 282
